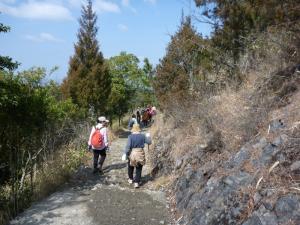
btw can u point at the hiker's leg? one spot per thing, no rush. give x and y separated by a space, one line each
130 171
96 157
138 173
103 156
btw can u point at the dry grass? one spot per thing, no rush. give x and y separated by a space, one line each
57 171
236 115
232 115
161 182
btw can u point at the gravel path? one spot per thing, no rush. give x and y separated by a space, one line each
100 199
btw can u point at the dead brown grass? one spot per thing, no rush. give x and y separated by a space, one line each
237 114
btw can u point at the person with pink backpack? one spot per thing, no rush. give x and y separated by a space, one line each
98 143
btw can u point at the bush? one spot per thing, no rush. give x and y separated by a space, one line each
36 128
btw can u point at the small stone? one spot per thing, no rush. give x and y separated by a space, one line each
203 146
270 192
262 209
261 144
268 205
162 222
229 181
178 164
295 166
257 197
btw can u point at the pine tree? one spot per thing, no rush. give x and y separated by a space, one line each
88 82
175 72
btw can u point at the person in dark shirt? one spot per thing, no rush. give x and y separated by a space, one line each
134 152
138 116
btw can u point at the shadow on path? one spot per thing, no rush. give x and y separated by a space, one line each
116 166
145 179
123 133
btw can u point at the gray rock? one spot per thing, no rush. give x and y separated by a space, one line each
269 218
178 164
261 143
257 197
241 178
182 184
295 166
276 125
270 192
240 157
236 212
262 210
280 157
287 208
211 217
253 220
278 141
229 181
211 184
268 152
268 205
189 173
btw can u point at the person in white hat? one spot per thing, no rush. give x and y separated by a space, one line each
98 143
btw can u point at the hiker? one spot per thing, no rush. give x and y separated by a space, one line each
145 118
138 116
135 154
149 111
152 113
132 121
98 143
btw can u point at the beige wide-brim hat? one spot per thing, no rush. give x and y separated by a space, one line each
135 128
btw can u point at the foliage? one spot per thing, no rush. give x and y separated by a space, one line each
130 83
6 62
88 82
234 20
177 71
31 118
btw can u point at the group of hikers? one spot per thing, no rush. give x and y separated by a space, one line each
133 152
143 117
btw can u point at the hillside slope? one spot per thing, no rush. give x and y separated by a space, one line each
212 182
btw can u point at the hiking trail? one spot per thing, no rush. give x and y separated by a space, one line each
94 199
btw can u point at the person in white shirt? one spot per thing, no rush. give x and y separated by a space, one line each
99 150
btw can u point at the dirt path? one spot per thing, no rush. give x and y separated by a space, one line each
100 200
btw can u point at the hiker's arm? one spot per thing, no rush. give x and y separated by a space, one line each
128 146
148 139
105 137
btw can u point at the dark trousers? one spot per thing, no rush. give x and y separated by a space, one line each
138 172
98 153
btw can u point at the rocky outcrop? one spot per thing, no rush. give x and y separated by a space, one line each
247 188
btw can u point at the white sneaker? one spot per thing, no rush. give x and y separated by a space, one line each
130 181
136 185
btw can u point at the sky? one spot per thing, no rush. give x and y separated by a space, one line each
43 32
